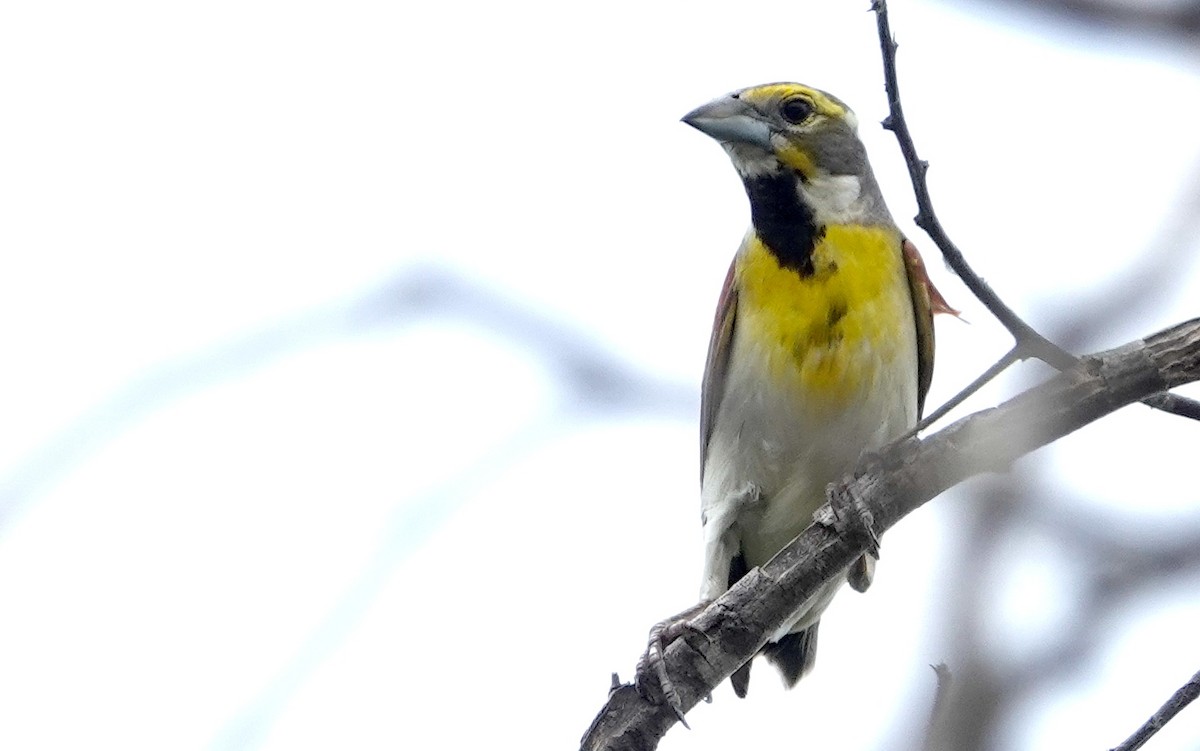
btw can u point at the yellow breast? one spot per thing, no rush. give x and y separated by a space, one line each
829 333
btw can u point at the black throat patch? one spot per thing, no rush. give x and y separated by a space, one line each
784 223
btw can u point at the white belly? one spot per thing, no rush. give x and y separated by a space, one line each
790 449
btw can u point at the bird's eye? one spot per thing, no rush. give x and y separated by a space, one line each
796 110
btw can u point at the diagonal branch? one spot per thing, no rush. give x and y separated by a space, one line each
1029 343
900 479
1180 699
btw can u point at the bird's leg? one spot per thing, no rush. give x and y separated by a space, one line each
721 547
845 504
652 662
849 514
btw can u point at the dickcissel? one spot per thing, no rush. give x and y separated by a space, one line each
822 348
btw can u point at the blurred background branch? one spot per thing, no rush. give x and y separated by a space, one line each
1179 19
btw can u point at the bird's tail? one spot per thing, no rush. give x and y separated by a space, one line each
794 655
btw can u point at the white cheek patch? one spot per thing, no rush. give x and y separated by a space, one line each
833 198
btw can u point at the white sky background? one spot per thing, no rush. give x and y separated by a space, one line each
254 494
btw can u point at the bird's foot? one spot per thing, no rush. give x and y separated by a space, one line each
651 672
851 515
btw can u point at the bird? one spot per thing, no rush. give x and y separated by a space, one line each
822 345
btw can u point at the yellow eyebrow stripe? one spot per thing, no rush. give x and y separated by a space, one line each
776 91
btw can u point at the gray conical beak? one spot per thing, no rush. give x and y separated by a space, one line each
730 120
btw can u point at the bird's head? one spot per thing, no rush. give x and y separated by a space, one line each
788 130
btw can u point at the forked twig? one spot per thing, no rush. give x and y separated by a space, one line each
1028 342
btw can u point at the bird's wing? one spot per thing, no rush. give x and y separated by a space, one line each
719 347
926 302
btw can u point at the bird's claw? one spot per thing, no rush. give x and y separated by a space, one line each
652 666
847 507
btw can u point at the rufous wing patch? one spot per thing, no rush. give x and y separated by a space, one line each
917 273
926 302
719 347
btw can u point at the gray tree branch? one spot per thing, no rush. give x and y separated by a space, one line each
1180 699
885 489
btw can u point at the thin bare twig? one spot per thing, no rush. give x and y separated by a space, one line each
1180 699
1028 342
996 369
